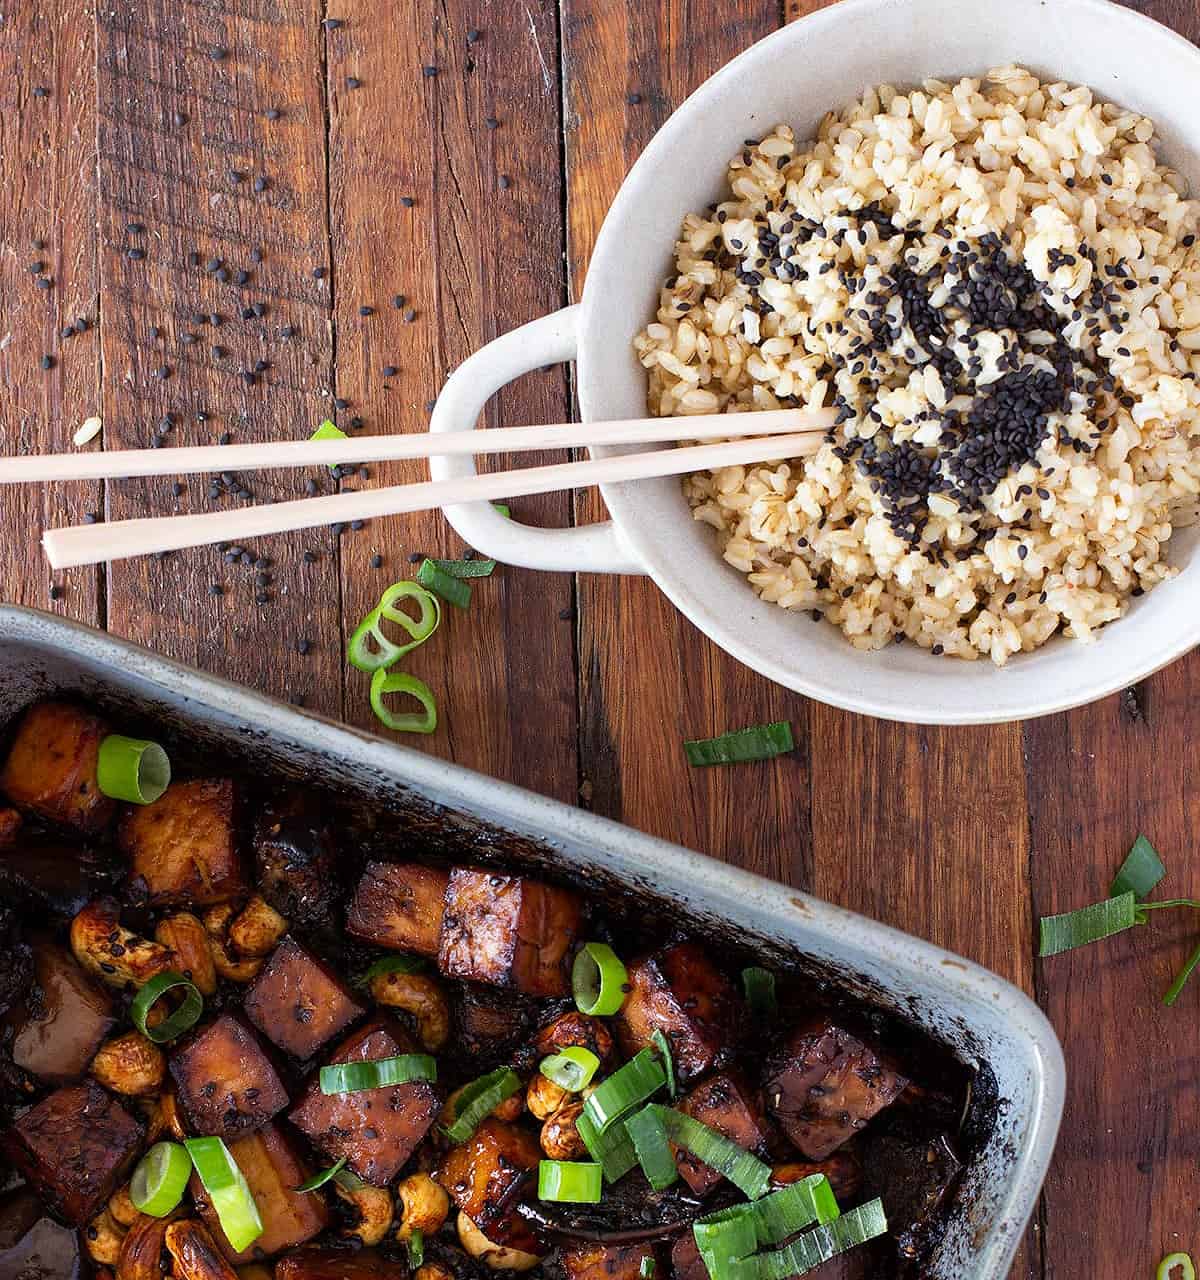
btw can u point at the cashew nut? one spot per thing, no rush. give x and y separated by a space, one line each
560 1137
103 1238
130 1064
433 1271
255 1271
116 956
424 1206
231 967
373 1206
165 1118
508 1110
257 928
420 996
186 936
125 1213
492 1255
195 1252
141 1250
543 1097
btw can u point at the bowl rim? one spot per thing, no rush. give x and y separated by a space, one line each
623 500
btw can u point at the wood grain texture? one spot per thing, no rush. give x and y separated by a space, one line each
48 195
478 252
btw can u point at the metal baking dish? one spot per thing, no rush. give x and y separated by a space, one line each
987 1022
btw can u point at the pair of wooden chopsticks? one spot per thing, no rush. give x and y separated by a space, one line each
787 432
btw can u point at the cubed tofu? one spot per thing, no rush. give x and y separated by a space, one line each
826 1085
509 931
66 1018
681 993
226 1084
586 1261
485 1174
272 1170
725 1104
375 1129
182 849
686 1262
10 824
339 1264
51 767
298 1002
843 1169
74 1147
296 857
399 905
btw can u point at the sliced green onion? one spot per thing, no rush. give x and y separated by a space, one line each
1140 872
1181 1260
1173 991
175 1024
729 1234
466 568
320 1179
572 1069
570 1181
646 1269
649 1137
160 1179
391 964
761 742
824 1242
1088 924
386 682
453 590
598 980
784 1212
759 986
350 1181
612 1149
628 1087
327 431
479 1099
416 1248
663 1045
744 1169
132 769
382 652
382 1073
502 510
227 1189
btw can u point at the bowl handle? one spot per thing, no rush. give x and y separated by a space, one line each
590 548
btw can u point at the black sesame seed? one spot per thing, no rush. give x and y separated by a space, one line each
136 254
44 282
376 562
353 82
505 182
398 301
340 403
492 123
318 273
40 91
303 647
633 99
390 371
178 118
429 72
407 201
274 113
473 35
242 277
366 311
409 316
310 557
217 53
332 24
47 362
260 183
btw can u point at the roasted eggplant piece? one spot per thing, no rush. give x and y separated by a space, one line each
376 1129
182 849
725 1104
485 1174
74 1147
339 1264
226 1084
826 1085
296 858
509 931
399 905
588 1261
66 1018
32 1245
51 767
681 993
914 1173
298 1002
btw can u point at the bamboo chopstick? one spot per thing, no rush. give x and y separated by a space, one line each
120 464
95 543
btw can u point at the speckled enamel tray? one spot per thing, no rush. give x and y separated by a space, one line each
986 1021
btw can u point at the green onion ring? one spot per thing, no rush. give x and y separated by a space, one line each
646 1269
132 769
228 1191
1173 1260
380 1073
612 1149
175 1024
386 682
320 1179
629 1086
598 980
479 1099
572 1069
387 652
570 1181
160 1179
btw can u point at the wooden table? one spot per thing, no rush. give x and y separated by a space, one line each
382 180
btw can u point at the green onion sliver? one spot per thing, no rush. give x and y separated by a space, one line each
160 1179
227 1189
1088 924
824 1242
598 980
503 510
729 1234
1173 991
175 1024
416 1248
320 1179
759 987
479 1099
1140 872
628 1087
391 964
349 1181
570 1181
572 1069
466 568
612 1150
646 1268
453 590
1181 1260
649 1137
388 682
381 652
132 769
382 1073
744 1169
784 1212
659 1040
761 742
328 431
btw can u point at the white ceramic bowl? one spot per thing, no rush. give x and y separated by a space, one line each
794 76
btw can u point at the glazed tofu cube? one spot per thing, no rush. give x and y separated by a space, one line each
509 931
339 1264
843 1169
298 1002
485 1174
399 905
51 767
296 858
181 848
686 1262
375 1129
606 1262
225 1082
74 1148
826 1085
272 1170
726 1105
681 993
65 1020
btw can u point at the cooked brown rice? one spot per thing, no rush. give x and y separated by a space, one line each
932 255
